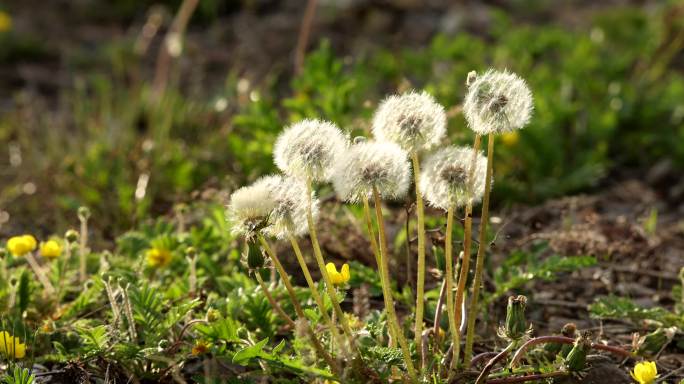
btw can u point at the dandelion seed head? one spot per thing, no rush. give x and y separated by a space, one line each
497 102
289 216
309 148
414 120
444 180
249 209
383 165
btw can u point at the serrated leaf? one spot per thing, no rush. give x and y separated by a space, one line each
244 355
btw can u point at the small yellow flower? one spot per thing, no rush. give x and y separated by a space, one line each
11 346
354 322
158 257
645 372
50 249
21 245
510 139
338 278
200 348
5 21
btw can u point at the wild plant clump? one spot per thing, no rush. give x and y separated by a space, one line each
209 323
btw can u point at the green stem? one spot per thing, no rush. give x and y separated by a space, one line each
387 292
467 242
420 284
272 301
376 252
324 272
298 308
82 251
479 266
40 274
449 276
314 291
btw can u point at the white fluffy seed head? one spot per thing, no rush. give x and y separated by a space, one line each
309 148
383 165
249 209
444 180
497 102
289 216
413 120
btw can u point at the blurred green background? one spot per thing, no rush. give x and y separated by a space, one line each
102 104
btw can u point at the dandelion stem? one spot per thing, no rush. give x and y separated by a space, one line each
420 283
298 308
387 293
192 279
64 264
438 314
324 272
314 291
272 301
82 249
490 364
378 260
467 242
40 274
479 266
449 276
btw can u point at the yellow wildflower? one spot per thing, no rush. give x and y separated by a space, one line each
510 139
200 348
5 21
21 245
338 278
11 346
645 372
50 249
158 257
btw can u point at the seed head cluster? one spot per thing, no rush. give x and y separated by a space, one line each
497 102
317 151
446 182
249 209
309 148
413 120
288 216
369 164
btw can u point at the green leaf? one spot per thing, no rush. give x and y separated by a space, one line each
24 291
244 355
623 308
278 347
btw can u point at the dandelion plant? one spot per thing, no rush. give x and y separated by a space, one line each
288 220
375 170
416 122
496 102
452 180
249 211
307 151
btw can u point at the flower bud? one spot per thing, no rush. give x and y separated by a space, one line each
163 344
213 315
577 358
569 330
255 259
516 323
552 349
652 343
71 236
83 213
190 252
